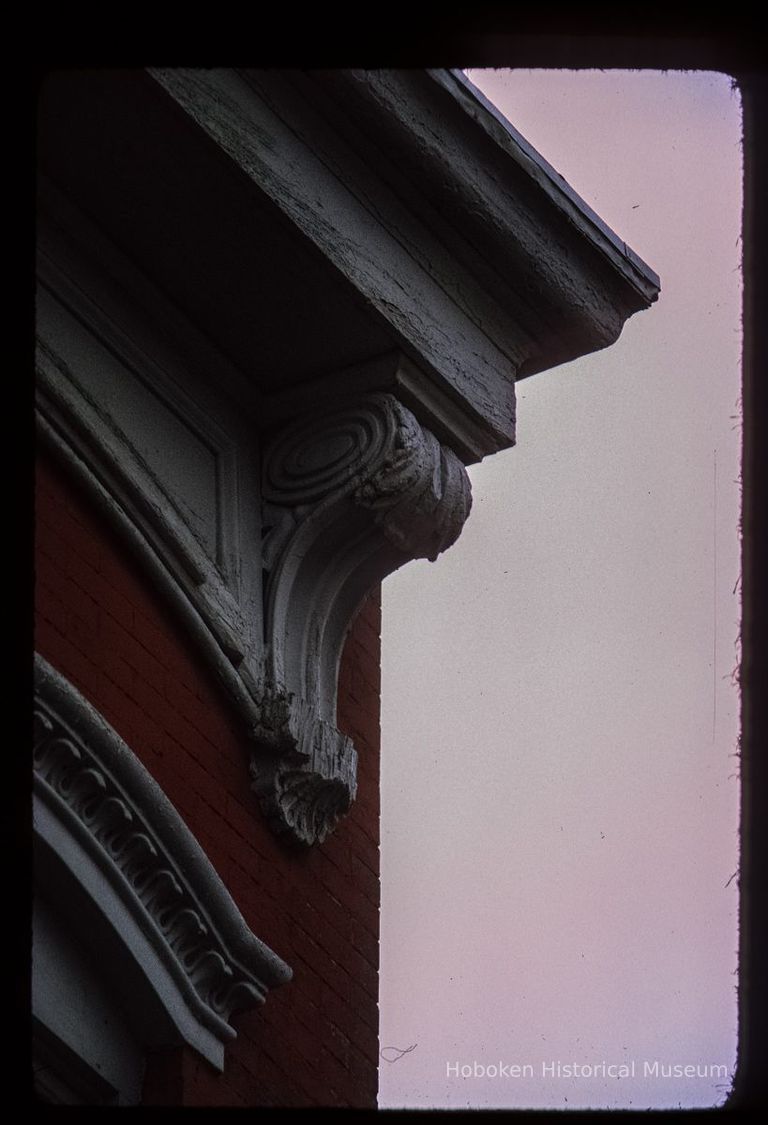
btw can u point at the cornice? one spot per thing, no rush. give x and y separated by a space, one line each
277 140
441 259
522 241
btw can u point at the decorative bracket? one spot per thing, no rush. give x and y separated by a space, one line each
349 496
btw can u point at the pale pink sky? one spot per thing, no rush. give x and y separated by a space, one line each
559 799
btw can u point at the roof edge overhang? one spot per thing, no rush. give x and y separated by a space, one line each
450 236
472 100
512 221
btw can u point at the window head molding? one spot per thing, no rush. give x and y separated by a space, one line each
111 845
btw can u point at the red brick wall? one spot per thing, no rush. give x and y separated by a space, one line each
101 623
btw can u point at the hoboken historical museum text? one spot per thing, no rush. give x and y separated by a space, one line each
647 1068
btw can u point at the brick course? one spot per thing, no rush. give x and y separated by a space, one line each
101 623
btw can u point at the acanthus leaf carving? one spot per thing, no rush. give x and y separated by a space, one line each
307 779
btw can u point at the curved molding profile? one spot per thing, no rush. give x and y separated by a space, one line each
349 496
109 841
